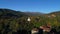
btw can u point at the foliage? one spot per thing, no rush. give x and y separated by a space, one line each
12 21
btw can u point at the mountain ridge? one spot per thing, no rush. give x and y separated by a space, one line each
26 13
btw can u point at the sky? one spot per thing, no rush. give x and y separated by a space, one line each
44 6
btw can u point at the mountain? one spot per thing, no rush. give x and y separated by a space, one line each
4 13
34 13
9 12
56 13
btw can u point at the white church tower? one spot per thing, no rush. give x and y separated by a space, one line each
28 19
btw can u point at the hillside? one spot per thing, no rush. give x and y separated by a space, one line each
6 13
56 13
12 21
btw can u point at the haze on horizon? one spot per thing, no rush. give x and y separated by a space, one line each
44 6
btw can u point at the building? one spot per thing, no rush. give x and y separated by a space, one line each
34 31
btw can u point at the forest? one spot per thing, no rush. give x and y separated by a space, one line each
12 21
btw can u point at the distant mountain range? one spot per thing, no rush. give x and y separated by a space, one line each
34 13
9 12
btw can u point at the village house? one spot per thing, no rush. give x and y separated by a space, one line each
34 31
43 27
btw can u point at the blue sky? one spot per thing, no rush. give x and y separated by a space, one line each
44 6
